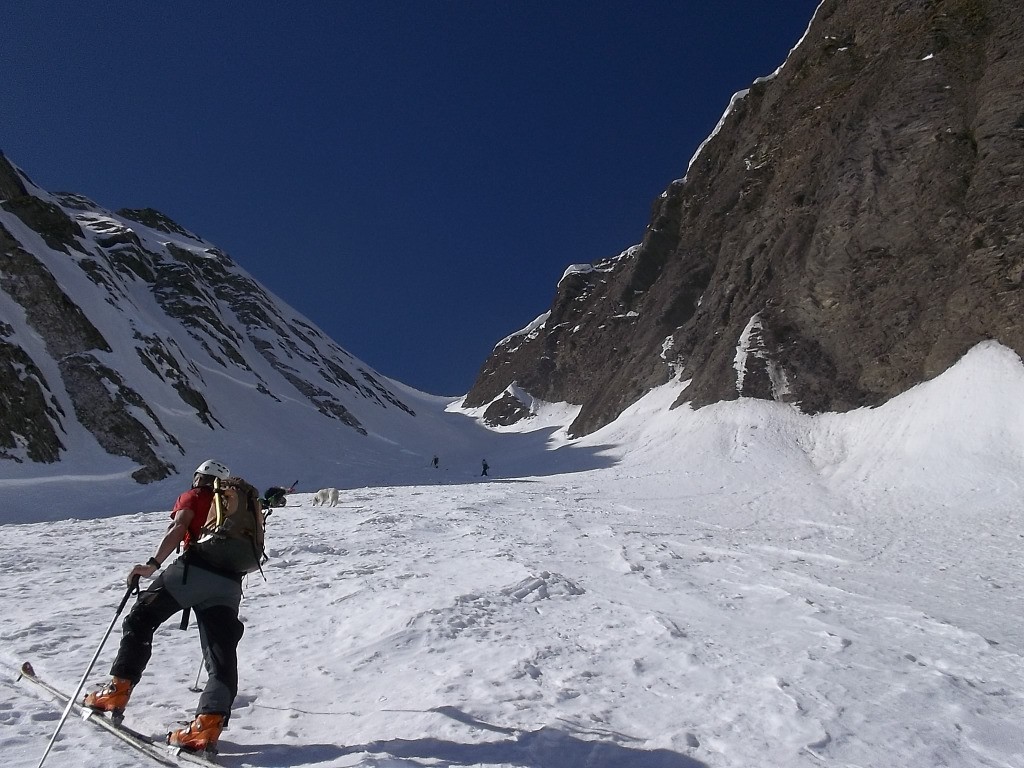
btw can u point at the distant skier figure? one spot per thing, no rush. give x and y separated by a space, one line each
485 468
435 462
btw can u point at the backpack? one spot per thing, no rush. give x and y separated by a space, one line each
275 496
235 544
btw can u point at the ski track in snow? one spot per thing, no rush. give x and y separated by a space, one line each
741 605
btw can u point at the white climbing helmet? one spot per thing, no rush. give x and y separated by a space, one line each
212 468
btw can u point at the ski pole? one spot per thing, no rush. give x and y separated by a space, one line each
195 688
133 588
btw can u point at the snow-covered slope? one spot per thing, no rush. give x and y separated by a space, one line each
737 586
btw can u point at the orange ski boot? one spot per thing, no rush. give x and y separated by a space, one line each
112 698
201 734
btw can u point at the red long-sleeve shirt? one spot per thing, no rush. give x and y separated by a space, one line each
199 501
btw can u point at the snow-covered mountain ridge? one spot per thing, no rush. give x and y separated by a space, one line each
131 349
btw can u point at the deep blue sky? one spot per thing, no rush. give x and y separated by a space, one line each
413 176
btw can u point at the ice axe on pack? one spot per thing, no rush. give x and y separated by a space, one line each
133 588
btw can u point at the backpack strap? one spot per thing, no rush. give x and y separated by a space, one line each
260 559
186 559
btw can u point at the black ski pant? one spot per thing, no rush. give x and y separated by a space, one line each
219 633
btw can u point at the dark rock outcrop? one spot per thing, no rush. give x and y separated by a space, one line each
153 219
57 229
28 403
851 229
11 184
506 410
104 403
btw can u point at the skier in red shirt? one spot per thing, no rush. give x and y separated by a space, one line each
188 583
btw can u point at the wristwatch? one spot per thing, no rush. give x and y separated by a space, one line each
154 562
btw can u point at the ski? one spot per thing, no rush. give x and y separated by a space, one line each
163 754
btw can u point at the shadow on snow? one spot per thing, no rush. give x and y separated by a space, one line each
543 748
509 456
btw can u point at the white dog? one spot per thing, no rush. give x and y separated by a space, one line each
325 497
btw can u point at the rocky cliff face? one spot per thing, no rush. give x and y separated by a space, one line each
850 229
121 324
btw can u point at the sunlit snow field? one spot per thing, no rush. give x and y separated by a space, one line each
739 586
